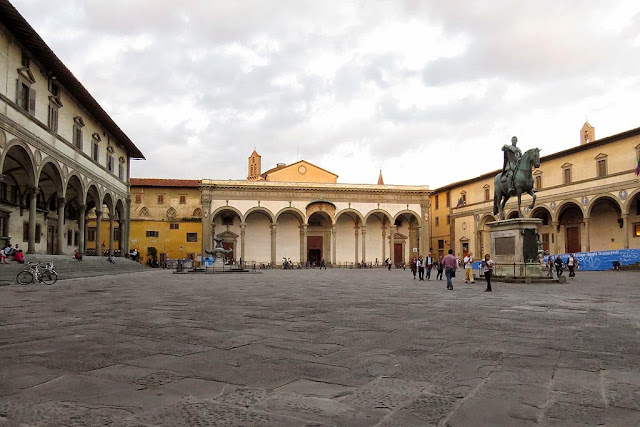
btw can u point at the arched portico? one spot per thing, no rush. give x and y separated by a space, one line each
406 237
545 229
572 233
378 242
51 204
483 239
606 224
228 222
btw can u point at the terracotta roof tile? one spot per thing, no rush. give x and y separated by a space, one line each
159 182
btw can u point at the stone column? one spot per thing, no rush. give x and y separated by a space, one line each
303 243
425 235
554 230
364 242
61 202
111 228
31 242
334 231
125 229
357 251
81 228
243 230
625 228
206 223
98 226
274 230
586 246
391 251
384 244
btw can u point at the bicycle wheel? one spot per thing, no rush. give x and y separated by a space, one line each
49 277
24 277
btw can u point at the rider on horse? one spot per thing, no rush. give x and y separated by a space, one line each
512 156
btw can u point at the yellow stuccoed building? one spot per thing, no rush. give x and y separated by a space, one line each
166 214
588 198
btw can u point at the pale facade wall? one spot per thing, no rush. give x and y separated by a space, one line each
288 238
258 238
373 240
346 240
62 140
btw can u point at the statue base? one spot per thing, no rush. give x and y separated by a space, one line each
514 247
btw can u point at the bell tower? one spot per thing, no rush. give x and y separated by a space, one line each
255 166
587 134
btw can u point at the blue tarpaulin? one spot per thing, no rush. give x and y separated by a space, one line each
599 260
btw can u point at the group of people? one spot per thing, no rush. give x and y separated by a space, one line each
559 265
449 264
8 251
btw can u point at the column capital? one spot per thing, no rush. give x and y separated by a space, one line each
62 200
98 213
243 226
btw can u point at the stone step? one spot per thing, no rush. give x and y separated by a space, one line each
69 268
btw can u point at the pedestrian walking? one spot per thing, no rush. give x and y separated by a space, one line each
428 261
550 265
487 269
322 264
468 269
414 267
559 266
440 269
420 264
571 265
450 266
387 262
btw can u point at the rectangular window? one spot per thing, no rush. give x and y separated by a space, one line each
602 168
487 194
192 237
538 182
545 241
91 234
25 232
26 97
448 219
76 236
110 162
116 234
153 233
440 244
138 198
121 171
160 199
183 199
54 88
69 238
448 199
636 230
464 198
437 201
15 194
174 226
95 151
77 137
437 221
52 120
566 173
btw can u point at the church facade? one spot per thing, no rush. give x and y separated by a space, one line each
300 212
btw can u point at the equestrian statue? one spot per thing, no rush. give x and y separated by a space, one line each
516 177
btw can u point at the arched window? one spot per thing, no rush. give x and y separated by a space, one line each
197 213
144 212
171 213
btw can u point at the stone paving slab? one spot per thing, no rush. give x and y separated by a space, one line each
315 348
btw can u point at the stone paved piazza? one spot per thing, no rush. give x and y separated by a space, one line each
311 348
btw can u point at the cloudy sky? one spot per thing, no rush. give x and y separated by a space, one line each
427 90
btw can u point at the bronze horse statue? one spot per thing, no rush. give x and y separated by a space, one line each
523 183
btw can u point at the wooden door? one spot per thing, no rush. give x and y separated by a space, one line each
229 245
573 239
52 237
397 253
545 241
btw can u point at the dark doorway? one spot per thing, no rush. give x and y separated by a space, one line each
314 249
397 253
573 239
52 237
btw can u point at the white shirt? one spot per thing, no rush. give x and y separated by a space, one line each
419 263
468 262
487 265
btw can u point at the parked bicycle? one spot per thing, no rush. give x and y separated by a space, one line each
38 273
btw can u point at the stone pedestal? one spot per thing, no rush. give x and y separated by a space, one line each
514 247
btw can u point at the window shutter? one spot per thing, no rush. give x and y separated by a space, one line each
32 101
18 91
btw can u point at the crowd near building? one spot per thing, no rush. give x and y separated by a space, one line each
66 185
